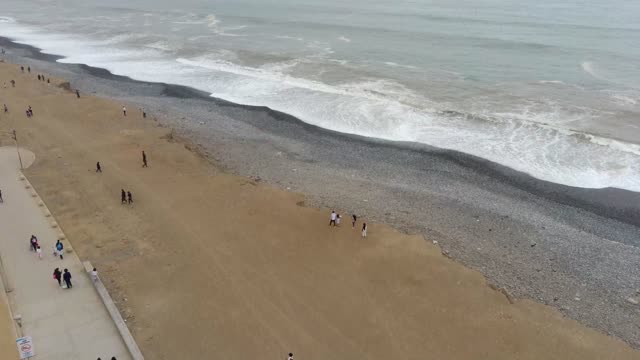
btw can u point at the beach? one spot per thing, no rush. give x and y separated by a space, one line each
209 262
542 241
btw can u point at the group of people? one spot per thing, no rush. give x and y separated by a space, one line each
42 78
334 220
13 84
35 246
62 276
126 197
58 248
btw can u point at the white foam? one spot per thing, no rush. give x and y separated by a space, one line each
344 39
393 64
590 68
557 82
212 21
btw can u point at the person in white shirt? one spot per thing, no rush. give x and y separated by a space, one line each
334 216
338 220
290 356
364 230
94 275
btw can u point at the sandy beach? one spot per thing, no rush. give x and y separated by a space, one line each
206 262
570 248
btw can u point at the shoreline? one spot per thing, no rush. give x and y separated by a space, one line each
473 208
615 203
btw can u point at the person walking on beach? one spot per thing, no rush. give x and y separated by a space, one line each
6 109
1 200
290 357
123 196
13 83
130 197
354 218
22 68
98 167
333 218
57 275
29 69
144 159
124 110
39 252
144 113
60 249
338 218
364 230
38 77
67 278
78 93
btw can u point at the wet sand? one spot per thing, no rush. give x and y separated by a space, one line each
225 264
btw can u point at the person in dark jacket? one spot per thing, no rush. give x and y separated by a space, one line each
34 242
57 275
67 278
123 196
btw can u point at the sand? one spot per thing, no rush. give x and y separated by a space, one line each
209 263
8 349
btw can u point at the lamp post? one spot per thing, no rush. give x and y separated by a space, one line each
15 138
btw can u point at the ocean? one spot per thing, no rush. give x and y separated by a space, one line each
547 88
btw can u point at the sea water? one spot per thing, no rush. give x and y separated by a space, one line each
550 88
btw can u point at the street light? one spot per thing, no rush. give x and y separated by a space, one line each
15 138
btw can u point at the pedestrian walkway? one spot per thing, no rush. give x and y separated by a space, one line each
65 324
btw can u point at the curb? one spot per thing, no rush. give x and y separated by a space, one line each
128 339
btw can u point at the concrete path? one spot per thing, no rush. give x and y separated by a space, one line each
65 324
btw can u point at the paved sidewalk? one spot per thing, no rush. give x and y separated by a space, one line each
66 324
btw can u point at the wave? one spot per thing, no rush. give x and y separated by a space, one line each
393 64
212 21
6 19
344 39
590 68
